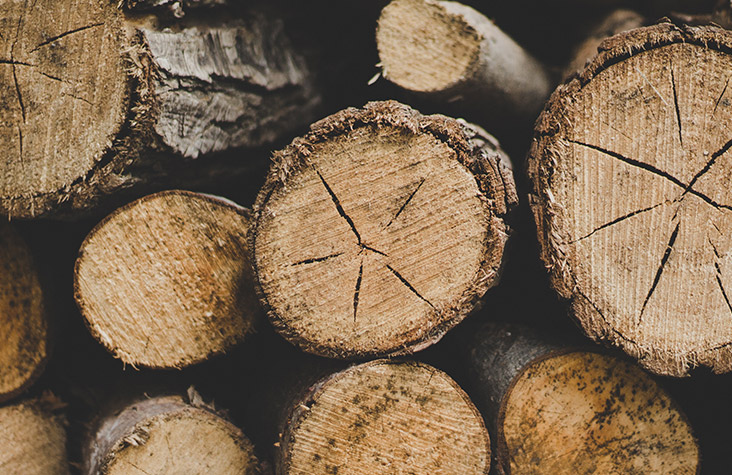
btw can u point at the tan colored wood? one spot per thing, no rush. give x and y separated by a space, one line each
630 176
615 22
166 280
64 93
385 417
33 438
95 101
170 435
23 321
589 413
380 230
556 407
455 54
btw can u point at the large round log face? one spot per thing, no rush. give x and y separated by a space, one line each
632 161
352 256
377 237
63 90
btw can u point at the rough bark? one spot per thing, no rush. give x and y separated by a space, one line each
23 319
615 22
97 101
166 281
554 408
33 438
384 417
455 55
380 230
169 434
631 197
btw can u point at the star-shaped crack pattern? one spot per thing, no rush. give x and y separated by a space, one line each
365 247
685 188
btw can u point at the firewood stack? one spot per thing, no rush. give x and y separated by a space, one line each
406 236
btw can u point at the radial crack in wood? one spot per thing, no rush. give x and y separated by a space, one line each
166 280
596 195
385 417
413 206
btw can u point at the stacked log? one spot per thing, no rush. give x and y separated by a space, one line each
377 242
100 100
380 230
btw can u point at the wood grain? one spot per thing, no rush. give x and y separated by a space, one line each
169 434
380 230
630 195
385 417
453 54
99 102
166 281
555 407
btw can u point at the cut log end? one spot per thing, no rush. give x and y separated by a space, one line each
451 54
168 435
583 412
631 195
23 321
165 281
33 439
378 232
423 47
64 91
386 417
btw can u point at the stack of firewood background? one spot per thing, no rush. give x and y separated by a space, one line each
413 237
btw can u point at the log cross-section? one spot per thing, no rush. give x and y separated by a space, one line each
380 230
95 101
631 170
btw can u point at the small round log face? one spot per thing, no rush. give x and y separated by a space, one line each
632 169
23 324
376 242
33 441
584 412
424 48
187 442
63 90
165 281
386 417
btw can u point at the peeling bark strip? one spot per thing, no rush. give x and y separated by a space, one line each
23 322
630 167
554 408
452 53
95 102
384 417
33 438
166 281
380 230
169 434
